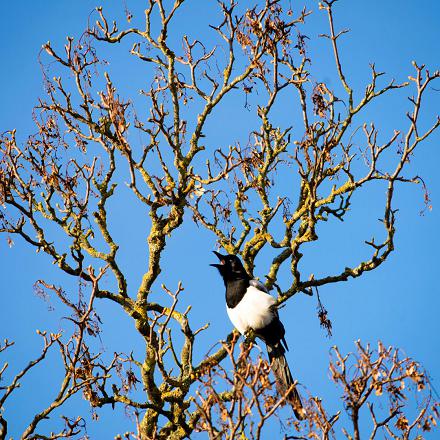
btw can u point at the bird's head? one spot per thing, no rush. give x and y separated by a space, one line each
230 267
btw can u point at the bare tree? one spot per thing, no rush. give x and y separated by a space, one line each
63 178
367 378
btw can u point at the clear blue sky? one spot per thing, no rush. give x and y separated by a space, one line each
397 304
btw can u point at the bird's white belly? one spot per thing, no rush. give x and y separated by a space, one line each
254 311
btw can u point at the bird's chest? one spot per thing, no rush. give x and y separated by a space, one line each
254 310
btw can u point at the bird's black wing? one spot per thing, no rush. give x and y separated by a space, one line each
273 332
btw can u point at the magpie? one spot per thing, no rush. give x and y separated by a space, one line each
251 307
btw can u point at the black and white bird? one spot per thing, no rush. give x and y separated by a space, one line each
251 307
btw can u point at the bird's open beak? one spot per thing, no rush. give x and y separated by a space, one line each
221 258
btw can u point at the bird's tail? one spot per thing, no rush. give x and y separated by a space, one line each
284 379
